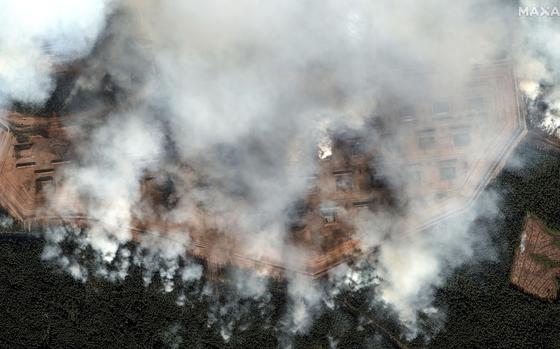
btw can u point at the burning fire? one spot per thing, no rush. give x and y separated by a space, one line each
325 148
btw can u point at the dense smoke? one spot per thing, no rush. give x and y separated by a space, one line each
538 66
37 36
232 102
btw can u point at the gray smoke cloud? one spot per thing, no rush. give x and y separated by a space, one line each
244 94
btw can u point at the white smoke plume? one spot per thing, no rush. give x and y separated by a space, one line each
538 63
245 93
409 267
37 36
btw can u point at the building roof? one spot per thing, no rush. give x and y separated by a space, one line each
454 146
536 265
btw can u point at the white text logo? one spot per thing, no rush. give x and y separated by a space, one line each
536 11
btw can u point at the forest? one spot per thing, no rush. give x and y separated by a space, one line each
42 307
